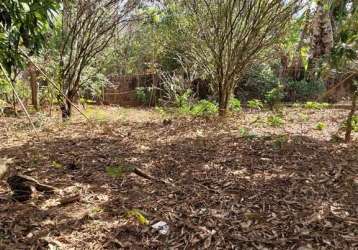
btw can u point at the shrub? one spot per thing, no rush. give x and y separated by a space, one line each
274 96
235 104
316 105
354 123
275 121
204 108
303 90
259 80
255 104
144 94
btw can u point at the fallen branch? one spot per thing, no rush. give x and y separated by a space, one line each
140 173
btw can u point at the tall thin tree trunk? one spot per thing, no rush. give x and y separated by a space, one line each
34 86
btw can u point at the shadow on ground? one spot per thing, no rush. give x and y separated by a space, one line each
224 191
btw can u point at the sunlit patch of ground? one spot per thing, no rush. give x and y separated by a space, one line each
239 183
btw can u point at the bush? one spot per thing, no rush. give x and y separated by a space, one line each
144 94
303 90
275 121
255 104
204 108
354 124
259 80
235 104
274 96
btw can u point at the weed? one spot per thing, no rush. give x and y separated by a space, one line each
274 96
320 126
316 105
204 108
138 215
275 121
235 104
255 104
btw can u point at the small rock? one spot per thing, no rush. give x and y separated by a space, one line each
162 227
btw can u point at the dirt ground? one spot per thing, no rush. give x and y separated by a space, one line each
233 184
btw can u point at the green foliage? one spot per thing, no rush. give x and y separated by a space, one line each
23 23
183 100
143 94
316 105
204 108
138 215
274 96
235 104
354 124
320 126
255 104
303 90
259 80
275 121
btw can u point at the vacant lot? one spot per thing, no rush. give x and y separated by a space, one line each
249 182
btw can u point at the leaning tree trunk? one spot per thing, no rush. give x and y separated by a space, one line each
349 126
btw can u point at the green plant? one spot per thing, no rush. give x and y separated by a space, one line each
161 111
354 124
183 100
320 126
275 121
316 105
255 104
204 108
303 90
274 96
235 104
144 94
138 215
258 80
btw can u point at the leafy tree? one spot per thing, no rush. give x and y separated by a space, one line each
231 35
22 25
87 27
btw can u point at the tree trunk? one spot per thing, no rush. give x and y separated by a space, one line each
66 109
34 86
349 126
223 102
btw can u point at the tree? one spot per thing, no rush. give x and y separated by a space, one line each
232 33
321 39
22 25
86 29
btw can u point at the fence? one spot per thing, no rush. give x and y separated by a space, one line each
122 90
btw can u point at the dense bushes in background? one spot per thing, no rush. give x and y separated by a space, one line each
262 83
303 90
